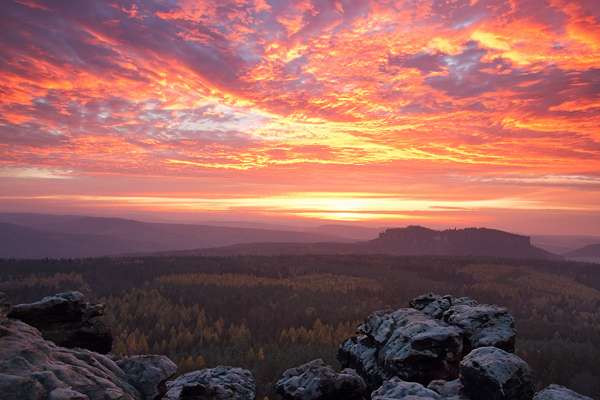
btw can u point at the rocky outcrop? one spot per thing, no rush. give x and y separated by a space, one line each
425 342
405 343
449 390
35 369
222 383
435 305
481 324
558 392
148 374
397 389
315 381
65 319
492 373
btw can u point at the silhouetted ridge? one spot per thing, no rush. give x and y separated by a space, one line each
593 250
472 241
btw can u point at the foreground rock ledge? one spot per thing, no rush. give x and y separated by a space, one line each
66 319
35 369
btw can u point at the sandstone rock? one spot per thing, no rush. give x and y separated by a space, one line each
404 343
222 383
483 325
360 354
65 319
148 374
494 374
395 388
4 305
557 392
315 381
435 305
453 390
66 394
32 368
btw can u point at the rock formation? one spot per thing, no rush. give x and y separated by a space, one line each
36 369
398 389
315 381
65 319
148 374
425 342
405 343
492 373
558 392
220 383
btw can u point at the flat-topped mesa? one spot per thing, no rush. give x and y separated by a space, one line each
65 319
417 234
416 240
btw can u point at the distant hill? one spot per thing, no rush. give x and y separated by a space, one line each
79 236
23 242
561 244
590 253
412 240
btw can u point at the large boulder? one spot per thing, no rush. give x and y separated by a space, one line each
222 383
451 390
483 326
35 369
558 392
148 374
396 388
315 381
65 319
494 374
405 343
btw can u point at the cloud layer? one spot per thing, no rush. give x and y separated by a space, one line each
398 98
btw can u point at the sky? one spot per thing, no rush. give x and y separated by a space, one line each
441 113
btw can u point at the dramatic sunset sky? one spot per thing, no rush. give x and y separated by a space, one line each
442 113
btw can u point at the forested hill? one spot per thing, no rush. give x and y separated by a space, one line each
412 240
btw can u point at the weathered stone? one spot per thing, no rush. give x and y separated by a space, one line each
315 381
404 343
66 394
4 305
396 388
148 374
483 325
558 392
448 390
65 319
222 383
494 374
435 305
32 368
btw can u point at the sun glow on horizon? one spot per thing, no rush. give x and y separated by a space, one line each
348 111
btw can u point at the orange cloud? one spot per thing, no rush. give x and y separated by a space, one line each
477 94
